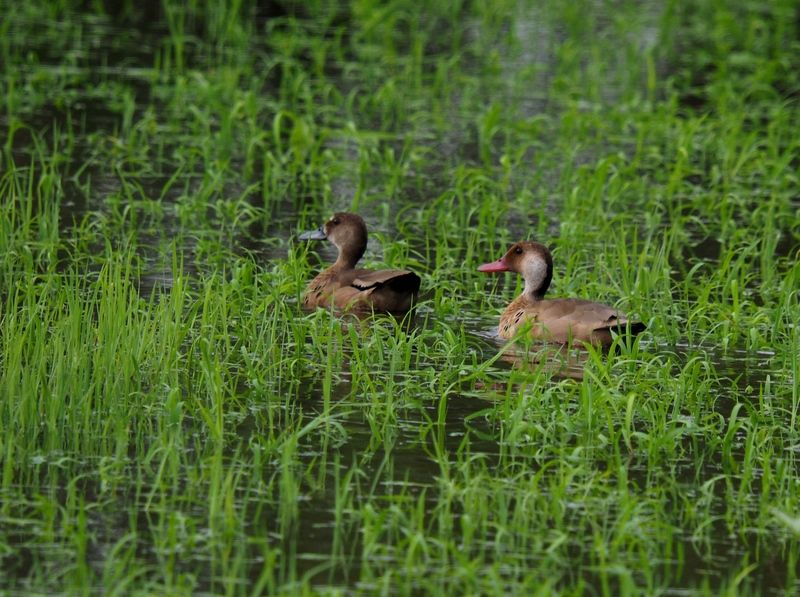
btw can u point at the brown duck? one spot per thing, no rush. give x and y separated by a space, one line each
345 287
559 320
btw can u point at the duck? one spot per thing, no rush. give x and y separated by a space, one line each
342 286
559 320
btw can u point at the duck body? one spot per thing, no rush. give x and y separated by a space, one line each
342 286
561 320
383 290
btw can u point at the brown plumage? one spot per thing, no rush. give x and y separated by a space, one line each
343 286
558 320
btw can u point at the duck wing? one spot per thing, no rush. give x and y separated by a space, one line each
398 279
621 323
585 314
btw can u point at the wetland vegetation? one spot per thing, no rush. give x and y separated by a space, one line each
171 420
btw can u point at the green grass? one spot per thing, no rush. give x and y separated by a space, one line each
172 422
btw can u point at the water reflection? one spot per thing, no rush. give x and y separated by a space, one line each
556 361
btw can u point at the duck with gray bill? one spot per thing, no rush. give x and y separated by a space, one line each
343 286
561 320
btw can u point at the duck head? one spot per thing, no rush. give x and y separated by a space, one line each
532 261
347 232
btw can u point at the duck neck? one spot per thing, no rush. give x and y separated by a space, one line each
533 294
349 256
537 275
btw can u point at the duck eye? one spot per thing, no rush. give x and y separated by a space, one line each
335 221
518 250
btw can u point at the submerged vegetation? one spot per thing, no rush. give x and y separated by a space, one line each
172 421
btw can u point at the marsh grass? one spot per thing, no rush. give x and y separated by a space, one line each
172 422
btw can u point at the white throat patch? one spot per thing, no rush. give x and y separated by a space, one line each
535 273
